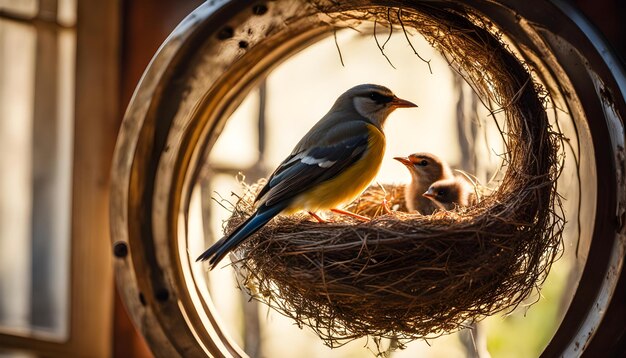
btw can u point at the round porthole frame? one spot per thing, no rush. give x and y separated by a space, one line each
223 48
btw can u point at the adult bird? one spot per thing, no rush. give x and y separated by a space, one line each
331 165
425 169
450 193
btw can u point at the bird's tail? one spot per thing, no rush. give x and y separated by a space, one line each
223 246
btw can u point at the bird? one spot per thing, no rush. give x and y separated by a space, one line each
331 165
425 169
450 193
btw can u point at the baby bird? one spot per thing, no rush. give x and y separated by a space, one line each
450 193
330 166
425 169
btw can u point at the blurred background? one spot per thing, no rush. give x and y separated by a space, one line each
67 71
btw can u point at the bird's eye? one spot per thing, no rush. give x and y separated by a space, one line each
442 192
380 98
423 163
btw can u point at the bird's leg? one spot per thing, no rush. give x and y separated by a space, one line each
316 217
356 216
385 205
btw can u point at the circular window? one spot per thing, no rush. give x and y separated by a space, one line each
170 157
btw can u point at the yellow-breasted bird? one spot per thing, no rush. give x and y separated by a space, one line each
331 165
425 169
450 193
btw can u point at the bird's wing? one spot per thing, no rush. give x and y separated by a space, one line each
303 170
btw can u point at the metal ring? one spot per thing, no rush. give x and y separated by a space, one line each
210 61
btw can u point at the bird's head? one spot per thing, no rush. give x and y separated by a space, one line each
374 102
426 167
444 192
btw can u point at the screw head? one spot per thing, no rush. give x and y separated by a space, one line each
120 249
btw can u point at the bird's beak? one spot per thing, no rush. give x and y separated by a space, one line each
404 160
402 103
430 194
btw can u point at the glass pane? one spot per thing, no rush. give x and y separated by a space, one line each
36 131
67 12
15 354
21 7
17 63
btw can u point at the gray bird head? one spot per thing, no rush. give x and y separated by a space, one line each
374 102
445 193
426 167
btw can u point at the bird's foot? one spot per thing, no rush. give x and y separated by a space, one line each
347 213
316 217
385 205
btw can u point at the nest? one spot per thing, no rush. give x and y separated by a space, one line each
408 276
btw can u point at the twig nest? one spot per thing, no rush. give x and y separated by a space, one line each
400 275
410 276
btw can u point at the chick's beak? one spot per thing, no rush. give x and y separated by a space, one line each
402 103
430 194
404 160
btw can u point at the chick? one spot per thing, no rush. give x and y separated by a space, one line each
425 169
450 193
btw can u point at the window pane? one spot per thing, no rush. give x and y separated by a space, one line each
22 7
17 63
15 354
67 12
36 131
